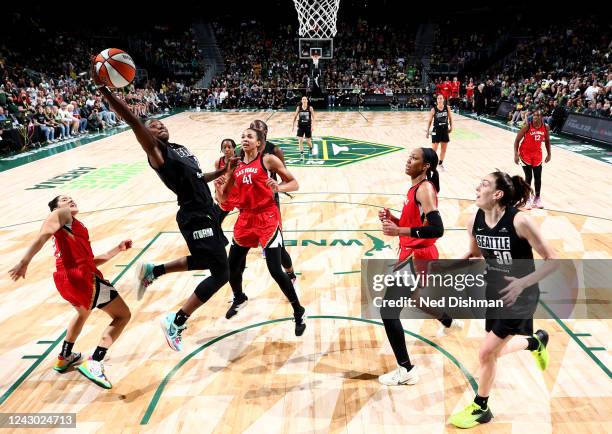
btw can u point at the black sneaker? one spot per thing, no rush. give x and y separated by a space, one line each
300 325
237 304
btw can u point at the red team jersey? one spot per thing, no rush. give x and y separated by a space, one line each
421 248
469 90
259 221
446 90
76 276
455 86
222 162
530 149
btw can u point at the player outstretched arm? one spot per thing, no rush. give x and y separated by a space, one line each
51 225
211 176
149 143
517 141
121 247
289 183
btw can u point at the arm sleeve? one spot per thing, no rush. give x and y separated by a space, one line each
433 229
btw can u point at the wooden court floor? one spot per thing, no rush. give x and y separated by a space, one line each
251 374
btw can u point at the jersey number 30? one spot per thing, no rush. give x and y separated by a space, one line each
503 258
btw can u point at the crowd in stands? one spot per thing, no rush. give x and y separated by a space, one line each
264 73
557 68
46 95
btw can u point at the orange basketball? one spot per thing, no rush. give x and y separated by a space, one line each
115 67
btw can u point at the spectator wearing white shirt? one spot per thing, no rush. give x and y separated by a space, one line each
591 92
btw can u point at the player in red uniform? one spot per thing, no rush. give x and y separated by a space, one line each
528 153
455 93
80 283
251 190
418 228
228 147
446 89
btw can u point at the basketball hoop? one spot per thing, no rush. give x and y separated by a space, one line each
317 18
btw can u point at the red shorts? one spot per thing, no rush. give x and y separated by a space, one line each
261 228
531 156
420 256
84 287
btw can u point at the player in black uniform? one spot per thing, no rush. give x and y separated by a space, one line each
442 127
304 114
505 238
287 263
197 217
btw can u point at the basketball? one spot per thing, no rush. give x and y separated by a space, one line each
115 67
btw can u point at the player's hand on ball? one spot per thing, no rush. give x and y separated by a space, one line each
93 74
18 270
390 228
272 184
125 245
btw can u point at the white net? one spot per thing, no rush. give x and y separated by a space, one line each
317 17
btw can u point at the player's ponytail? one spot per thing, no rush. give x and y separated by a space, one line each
516 190
431 157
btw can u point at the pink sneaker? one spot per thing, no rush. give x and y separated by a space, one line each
537 203
529 204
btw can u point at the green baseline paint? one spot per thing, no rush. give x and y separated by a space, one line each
160 389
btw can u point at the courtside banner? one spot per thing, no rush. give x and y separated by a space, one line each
501 288
589 127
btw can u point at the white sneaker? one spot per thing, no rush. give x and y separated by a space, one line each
456 325
400 376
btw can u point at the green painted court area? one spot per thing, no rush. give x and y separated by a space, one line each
331 151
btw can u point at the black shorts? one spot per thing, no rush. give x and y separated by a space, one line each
222 214
304 131
203 234
509 327
440 135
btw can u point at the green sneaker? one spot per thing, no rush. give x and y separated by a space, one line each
145 278
541 354
94 371
471 416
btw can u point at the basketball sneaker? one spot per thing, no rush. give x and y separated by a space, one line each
172 332
441 168
298 317
145 278
529 204
94 371
237 304
399 377
63 363
537 203
456 325
471 416
541 354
